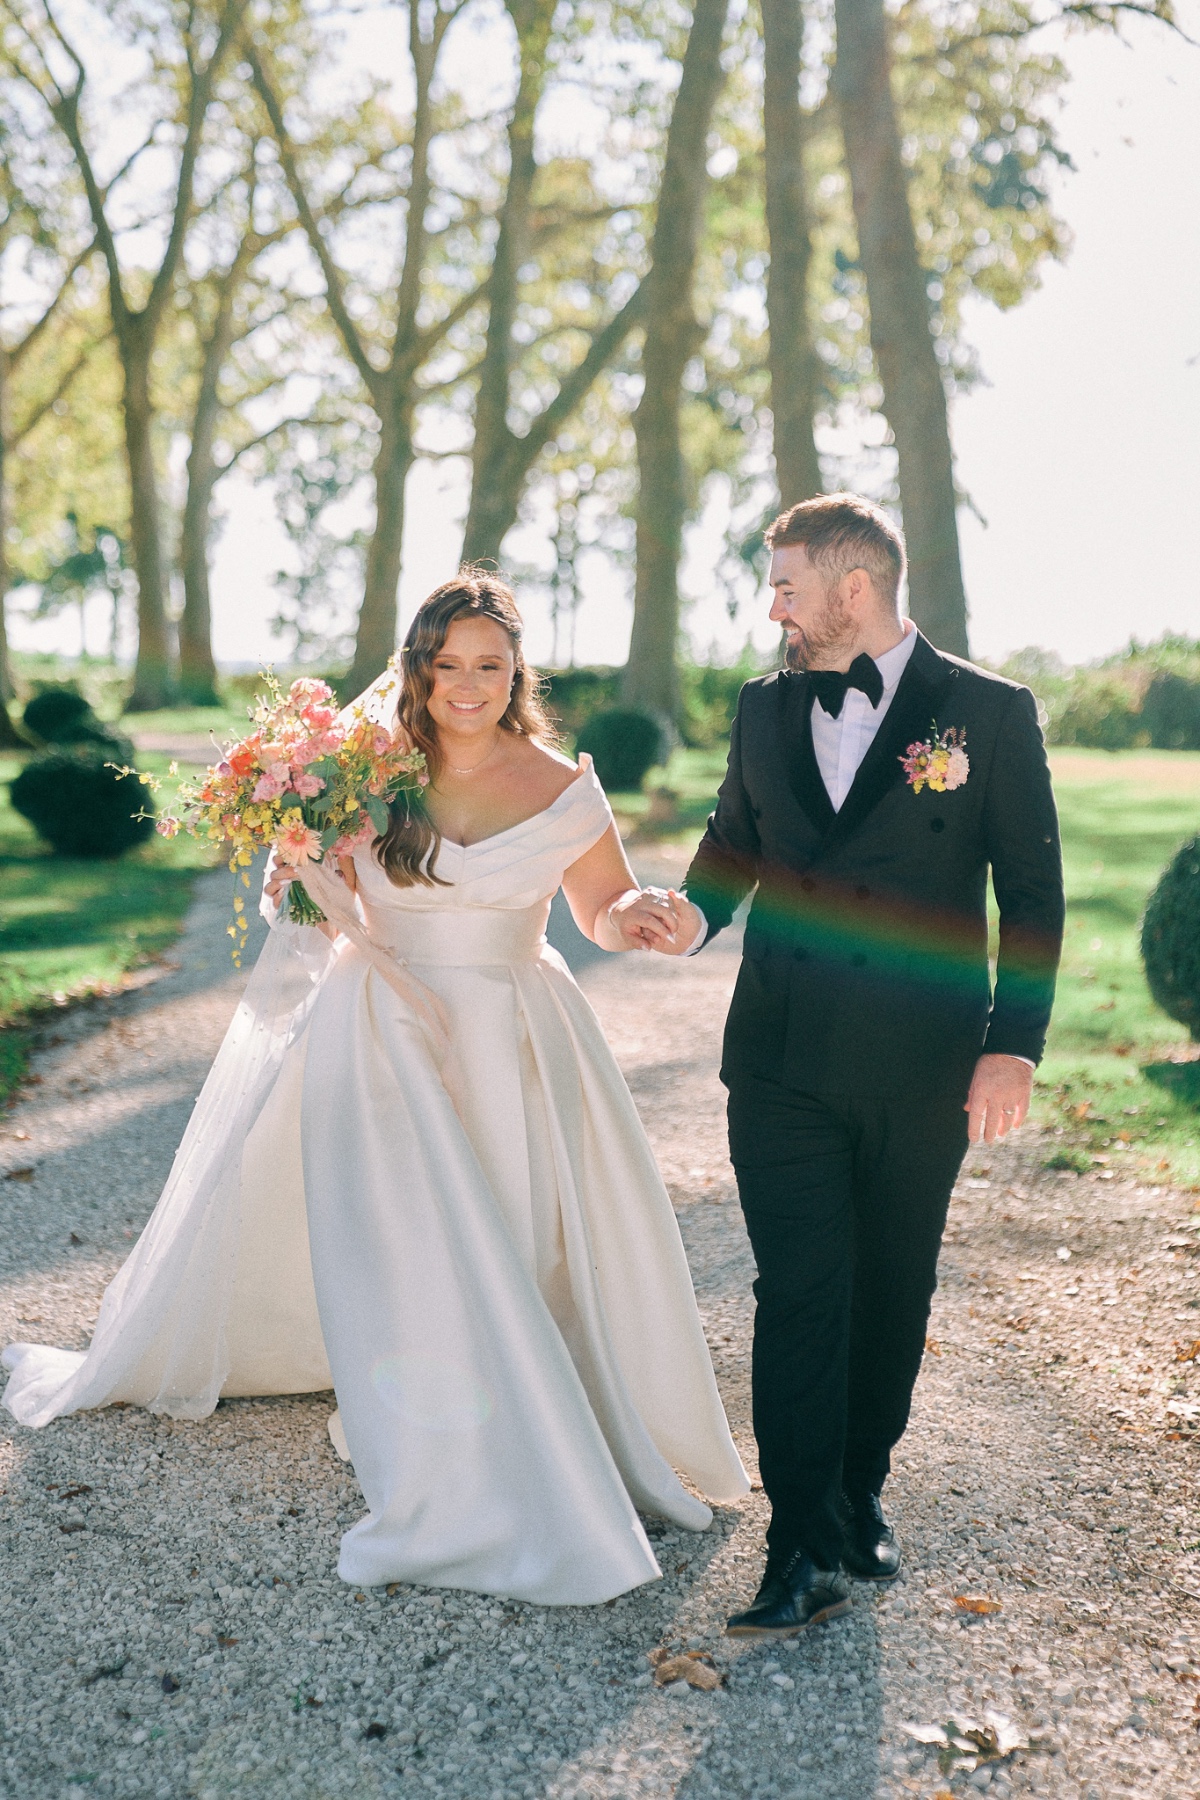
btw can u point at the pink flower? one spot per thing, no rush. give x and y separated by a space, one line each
308 691
297 843
270 785
958 768
305 784
319 718
167 827
354 840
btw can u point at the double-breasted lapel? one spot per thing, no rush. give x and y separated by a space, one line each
914 703
794 724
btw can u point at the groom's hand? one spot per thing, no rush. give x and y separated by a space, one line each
998 1102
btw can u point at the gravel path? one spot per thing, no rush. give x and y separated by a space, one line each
172 1626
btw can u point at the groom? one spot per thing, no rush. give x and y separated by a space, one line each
871 786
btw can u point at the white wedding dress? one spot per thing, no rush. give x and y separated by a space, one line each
450 1213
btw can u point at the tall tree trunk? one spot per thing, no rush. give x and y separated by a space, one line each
673 334
152 684
197 669
376 637
393 391
500 474
8 735
914 397
795 368
493 499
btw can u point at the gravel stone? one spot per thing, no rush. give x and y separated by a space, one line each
173 1626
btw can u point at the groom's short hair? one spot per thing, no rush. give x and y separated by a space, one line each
843 532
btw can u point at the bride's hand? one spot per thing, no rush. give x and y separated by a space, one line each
278 881
654 919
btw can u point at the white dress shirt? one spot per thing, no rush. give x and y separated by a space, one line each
841 744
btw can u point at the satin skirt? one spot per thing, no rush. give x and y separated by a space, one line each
503 1293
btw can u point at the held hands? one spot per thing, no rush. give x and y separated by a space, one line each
654 919
1001 1088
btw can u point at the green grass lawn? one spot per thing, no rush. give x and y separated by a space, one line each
72 927
1123 817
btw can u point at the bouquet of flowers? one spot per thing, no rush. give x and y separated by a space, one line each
305 783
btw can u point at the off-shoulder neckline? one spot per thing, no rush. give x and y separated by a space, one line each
495 837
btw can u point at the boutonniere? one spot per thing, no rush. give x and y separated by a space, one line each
941 762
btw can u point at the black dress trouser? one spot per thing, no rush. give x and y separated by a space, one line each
845 1201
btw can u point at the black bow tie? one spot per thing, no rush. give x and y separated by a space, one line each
829 685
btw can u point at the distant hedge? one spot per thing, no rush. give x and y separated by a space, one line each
1146 697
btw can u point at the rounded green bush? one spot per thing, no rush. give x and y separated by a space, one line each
624 745
1171 712
80 804
61 715
1171 939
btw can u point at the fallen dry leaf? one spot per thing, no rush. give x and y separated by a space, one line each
695 1667
1187 1352
972 1603
933 1347
963 1744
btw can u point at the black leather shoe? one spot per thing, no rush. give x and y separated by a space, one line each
794 1595
871 1551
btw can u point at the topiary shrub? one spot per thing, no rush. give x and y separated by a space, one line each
1171 939
576 695
1171 712
624 746
61 715
80 804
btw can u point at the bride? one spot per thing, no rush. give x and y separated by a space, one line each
416 1174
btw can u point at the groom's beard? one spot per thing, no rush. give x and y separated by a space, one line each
824 643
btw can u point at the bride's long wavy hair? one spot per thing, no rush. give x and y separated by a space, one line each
409 847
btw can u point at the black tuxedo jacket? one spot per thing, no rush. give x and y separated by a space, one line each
865 965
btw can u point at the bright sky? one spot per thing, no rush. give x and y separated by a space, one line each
1082 452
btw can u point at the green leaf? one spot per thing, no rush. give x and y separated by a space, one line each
378 813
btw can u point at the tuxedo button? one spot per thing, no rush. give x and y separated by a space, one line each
864 893
937 824
808 885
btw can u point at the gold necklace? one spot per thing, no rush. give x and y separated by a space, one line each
480 763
